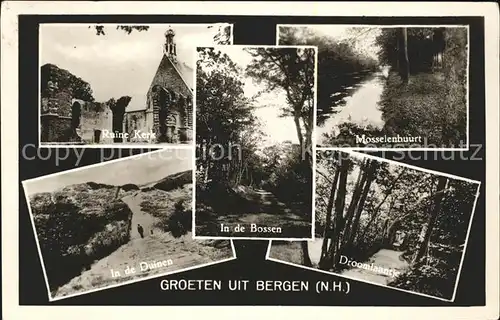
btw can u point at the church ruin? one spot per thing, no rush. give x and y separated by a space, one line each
69 115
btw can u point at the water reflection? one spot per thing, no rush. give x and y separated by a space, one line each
355 102
343 87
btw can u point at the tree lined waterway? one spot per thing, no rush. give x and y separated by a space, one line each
357 103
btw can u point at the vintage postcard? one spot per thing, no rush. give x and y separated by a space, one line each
254 133
386 223
389 86
118 222
108 85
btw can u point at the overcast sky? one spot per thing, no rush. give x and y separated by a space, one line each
276 128
145 168
117 64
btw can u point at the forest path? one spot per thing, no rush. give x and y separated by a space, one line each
263 209
359 106
384 258
271 211
146 220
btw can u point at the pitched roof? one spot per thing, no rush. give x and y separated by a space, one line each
186 73
173 75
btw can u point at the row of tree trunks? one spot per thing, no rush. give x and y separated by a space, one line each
331 253
354 226
341 231
403 63
377 209
356 196
442 183
436 196
329 209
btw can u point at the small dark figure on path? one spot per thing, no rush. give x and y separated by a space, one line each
151 231
140 229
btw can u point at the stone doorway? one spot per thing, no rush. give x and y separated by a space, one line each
97 135
76 112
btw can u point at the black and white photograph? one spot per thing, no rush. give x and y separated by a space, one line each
118 222
114 85
389 86
386 223
254 132
335 159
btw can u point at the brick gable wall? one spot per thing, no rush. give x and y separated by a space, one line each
167 77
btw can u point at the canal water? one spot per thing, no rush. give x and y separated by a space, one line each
355 103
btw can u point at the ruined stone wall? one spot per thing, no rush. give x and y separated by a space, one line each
150 119
137 120
58 88
59 103
55 128
95 117
55 116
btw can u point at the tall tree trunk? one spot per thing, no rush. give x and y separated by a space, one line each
239 173
205 178
308 159
411 211
306 260
432 219
398 50
329 208
307 151
358 189
387 194
385 228
206 156
339 211
391 206
391 234
246 173
404 63
355 225
296 120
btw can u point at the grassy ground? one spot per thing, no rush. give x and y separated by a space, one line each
261 208
424 107
161 204
292 251
286 251
172 209
77 225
